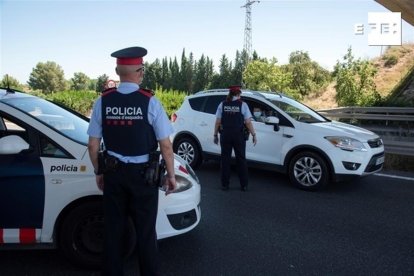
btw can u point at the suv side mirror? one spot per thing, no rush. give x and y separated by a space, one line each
12 144
272 120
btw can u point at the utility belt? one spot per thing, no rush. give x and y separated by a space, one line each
245 131
153 169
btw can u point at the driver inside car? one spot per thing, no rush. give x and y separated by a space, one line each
258 115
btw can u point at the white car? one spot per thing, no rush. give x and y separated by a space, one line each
48 193
292 138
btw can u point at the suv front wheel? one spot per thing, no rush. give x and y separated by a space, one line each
188 150
308 171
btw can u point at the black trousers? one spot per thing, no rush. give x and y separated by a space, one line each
230 140
127 194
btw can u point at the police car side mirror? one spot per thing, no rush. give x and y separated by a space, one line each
12 144
272 120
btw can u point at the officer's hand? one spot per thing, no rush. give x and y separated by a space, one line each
100 182
216 140
170 185
254 139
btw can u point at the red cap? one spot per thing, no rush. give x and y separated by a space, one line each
130 56
235 88
129 61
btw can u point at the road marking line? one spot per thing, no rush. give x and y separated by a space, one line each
396 176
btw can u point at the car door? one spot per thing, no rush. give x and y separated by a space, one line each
22 186
269 137
206 124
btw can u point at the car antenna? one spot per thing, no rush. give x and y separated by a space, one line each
8 90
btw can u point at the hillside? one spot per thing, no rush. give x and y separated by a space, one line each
386 78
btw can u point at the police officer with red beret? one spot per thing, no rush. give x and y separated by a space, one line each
131 123
231 117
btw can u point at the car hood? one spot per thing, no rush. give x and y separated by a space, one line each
335 128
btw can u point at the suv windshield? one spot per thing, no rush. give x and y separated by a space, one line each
296 110
53 116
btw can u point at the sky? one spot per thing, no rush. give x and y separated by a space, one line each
80 35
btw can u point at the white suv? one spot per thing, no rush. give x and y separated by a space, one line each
293 139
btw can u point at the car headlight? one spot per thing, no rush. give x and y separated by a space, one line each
183 184
346 143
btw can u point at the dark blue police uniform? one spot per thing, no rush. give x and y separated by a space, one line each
130 121
126 131
232 137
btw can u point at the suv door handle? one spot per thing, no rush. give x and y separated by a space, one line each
203 124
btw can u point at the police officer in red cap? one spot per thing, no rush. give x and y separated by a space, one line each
131 123
232 116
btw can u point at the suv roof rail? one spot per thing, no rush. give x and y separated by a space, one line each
256 93
211 91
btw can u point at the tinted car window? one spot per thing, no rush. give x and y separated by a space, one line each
197 103
212 103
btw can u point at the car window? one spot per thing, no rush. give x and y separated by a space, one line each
50 149
297 110
57 118
197 103
256 105
11 127
212 103
267 111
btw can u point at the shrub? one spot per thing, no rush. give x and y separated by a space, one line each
82 101
390 60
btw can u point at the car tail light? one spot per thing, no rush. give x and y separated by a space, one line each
184 170
173 117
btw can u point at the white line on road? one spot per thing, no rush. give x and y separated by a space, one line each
396 176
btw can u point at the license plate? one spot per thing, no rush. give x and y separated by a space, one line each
380 160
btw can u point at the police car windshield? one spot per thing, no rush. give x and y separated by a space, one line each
296 110
53 116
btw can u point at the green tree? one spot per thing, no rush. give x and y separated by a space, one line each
223 78
101 82
189 74
201 79
239 66
355 82
307 75
92 84
153 75
267 76
165 80
149 80
9 81
175 73
186 73
47 77
80 81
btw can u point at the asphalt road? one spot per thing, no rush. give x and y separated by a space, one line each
361 228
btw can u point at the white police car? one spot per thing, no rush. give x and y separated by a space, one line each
48 194
292 138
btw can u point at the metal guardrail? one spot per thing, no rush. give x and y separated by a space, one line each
395 125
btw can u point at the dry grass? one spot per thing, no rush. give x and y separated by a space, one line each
385 80
322 100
